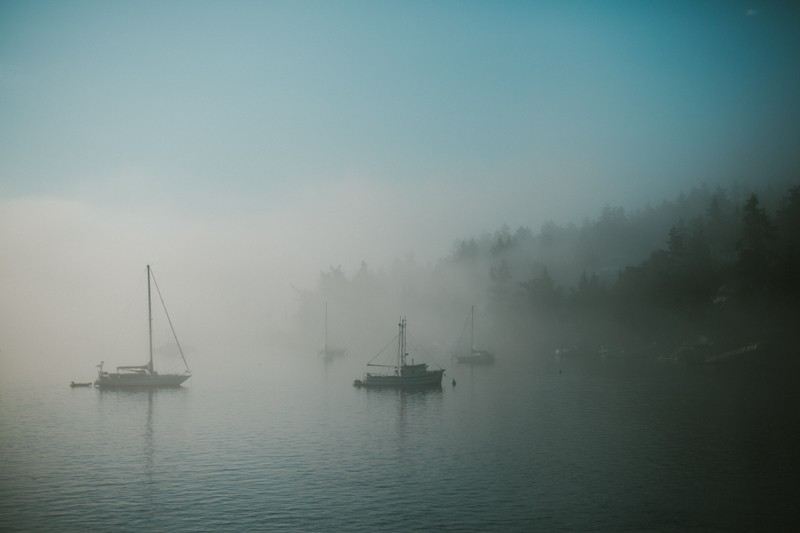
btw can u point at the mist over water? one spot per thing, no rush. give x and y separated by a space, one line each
558 445
266 435
612 188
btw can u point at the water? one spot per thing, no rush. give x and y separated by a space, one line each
602 445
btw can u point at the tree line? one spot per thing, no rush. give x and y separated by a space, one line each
720 264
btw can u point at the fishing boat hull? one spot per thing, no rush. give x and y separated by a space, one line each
118 381
431 378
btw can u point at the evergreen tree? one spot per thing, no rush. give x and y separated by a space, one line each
788 235
677 243
542 294
754 249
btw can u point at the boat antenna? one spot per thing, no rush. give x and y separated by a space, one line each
149 321
401 353
174 335
400 343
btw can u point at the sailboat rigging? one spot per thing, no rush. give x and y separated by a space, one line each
473 356
144 375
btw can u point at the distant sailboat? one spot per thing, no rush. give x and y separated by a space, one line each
328 352
143 375
401 374
473 356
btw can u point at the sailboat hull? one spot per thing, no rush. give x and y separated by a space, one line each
117 381
477 357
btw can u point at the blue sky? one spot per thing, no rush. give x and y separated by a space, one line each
242 102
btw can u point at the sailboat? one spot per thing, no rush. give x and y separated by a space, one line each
402 374
327 352
475 357
143 375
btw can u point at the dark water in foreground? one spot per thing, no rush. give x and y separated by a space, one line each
605 445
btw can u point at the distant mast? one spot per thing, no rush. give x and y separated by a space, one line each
150 321
472 333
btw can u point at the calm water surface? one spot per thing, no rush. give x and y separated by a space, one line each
602 445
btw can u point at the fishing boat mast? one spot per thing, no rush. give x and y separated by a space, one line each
401 348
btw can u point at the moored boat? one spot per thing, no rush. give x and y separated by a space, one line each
144 376
328 353
402 374
473 356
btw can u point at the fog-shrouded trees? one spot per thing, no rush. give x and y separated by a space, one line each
711 263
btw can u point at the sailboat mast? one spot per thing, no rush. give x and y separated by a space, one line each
149 320
326 329
472 332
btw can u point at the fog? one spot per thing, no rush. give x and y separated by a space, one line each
71 270
232 283
268 159
252 289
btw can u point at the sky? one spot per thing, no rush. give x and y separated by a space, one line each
242 146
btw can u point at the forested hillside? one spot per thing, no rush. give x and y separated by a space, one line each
720 265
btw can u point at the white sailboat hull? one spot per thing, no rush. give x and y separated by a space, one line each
116 381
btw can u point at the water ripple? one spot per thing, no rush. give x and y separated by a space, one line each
606 448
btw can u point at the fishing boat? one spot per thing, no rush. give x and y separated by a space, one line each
144 376
473 356
401 374
74 384
328 352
